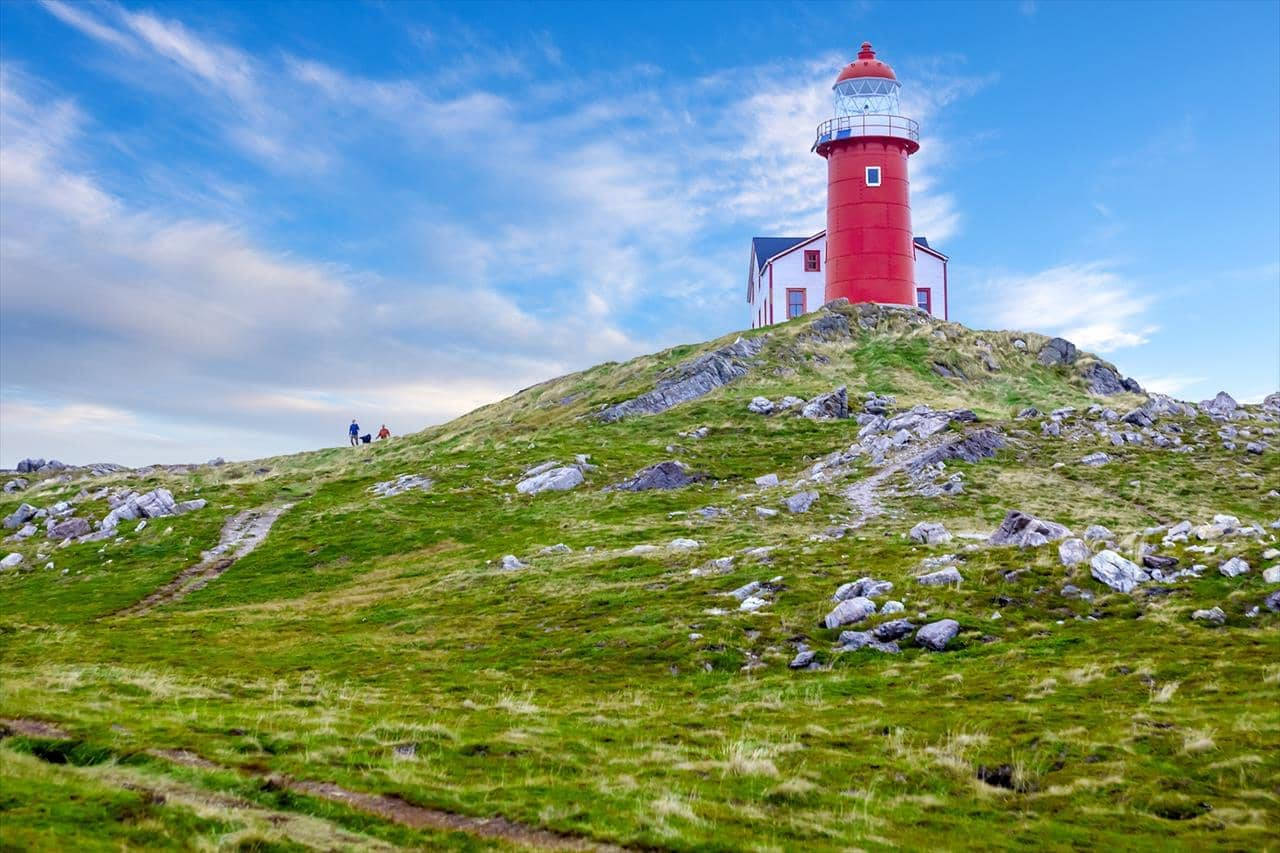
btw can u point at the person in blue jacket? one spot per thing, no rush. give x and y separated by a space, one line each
354 432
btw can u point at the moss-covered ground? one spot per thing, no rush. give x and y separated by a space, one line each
619 697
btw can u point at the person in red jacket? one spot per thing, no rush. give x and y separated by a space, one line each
384 433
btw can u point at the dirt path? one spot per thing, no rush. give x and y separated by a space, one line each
862 494
392 808
31 728
243 532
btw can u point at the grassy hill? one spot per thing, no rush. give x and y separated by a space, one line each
371 676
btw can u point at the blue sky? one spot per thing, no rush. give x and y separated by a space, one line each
226 229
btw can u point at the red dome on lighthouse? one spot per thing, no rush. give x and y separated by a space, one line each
866 65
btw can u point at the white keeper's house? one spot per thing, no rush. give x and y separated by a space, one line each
787 278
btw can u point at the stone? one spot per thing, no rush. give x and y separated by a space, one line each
691 379
1051 428
511 562
1255 447
766 512
558 548
876 404
788 402
1093 460
745 591
801 502
11 560
183 507
553 480
767 480
1221 406
1233 568
24 513
408 482
685 544
1115 571
760 406
1157 561
829 406
930 533
892 607
1073 552
1098 533
1057 351
25 532
852 641
1213 616
862 588
14 485
893 630
663 475
1073 591
1028 413
1272 602
69 529
157 503
1019 528
1271 574
30 466
849 611
937 635
803 660
643 549
753 603
942 577
974 447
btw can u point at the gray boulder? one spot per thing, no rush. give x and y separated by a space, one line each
24 513
14 485
930 533
1096 532
25 532
760 406
1093 460
894 630
157 503
830 326
1115 571
829 406
554 480
862 588
664 475
801 502
942 577
511 562
1214 616
849 611
11 560
937 635
70 528
192 505
30 466
1221 406
126 511
1103 379
1057 351
852 641
974 447
1233 568
1073 552
804 659
1027 531
1271 403
1272 601
691 380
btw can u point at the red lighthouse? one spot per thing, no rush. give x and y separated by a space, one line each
870 257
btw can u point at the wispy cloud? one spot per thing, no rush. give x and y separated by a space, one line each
1091 304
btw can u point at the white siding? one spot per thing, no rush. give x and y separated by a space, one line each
931 274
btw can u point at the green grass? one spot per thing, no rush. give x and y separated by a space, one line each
570 696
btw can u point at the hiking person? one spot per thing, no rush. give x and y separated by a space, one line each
384 433
354 432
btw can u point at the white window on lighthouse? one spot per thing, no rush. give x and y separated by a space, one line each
873 176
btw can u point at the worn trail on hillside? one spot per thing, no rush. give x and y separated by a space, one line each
242 533
393 808
862 494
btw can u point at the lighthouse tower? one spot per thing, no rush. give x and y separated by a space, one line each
870 257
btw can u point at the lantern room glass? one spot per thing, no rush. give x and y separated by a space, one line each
860 96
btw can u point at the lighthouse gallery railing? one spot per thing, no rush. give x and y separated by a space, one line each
844 127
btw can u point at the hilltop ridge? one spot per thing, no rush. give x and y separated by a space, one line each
865 578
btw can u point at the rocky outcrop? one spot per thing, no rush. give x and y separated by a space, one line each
401 484
849 611
1027 531
830 406
800 502
560 479
1057 351
1115 571
69 529
690 380
664 475
936 636
974 447
1104 380
20 516
1222 407
929 533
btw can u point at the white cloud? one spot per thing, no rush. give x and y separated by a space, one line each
1090 304
1171 385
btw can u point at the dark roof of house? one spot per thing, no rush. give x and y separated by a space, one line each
923 241
767 247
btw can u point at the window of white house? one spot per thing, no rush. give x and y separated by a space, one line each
812 261
795 302
873 176
923 300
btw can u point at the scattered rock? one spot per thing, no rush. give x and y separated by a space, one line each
511 562
685 544
551 480
1157 561
69 529
11 560
1073 552
753 603
1272 602
893 630
1271 574
24 513
1222 406
760 406
691 380
664 475
767 480
930 533
1098 533
829 406
1102 379
766 512
1057 351
1115 571
937 635
15 485
862 588
558 548
1094 460
851 641
402 483
941 577
1233 567
1213 616
1027 531
801 502
803 660
849 611
156 504
974 447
